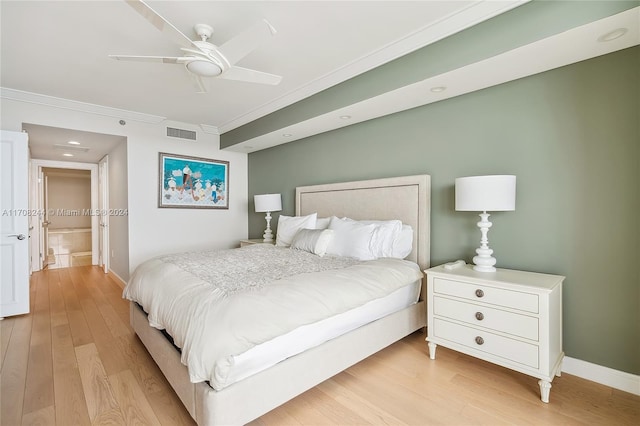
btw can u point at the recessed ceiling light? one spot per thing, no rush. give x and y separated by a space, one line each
345 117
73 143
612 35
66 154
438 89
248 147
287 135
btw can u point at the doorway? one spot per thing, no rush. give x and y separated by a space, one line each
66 230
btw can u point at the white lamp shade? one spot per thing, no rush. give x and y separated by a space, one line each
267 203
486 193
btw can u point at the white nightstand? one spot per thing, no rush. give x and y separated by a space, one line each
510 318
248 242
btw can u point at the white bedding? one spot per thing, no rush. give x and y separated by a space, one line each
267 354
229 293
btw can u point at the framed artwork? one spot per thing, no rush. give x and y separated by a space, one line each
192 182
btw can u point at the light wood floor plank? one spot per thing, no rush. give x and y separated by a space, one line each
112 359
78 323
70 404
88 320
14 372
44 416
101 402
6 327
132 401
39 381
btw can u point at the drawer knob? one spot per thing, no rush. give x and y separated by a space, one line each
479 340
479 293
479 316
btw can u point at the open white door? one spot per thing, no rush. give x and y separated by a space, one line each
103 191
14 224
44 248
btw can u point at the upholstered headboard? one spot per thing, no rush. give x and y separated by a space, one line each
406 198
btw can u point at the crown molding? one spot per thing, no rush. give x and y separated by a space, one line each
52 101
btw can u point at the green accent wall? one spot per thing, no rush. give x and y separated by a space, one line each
572 138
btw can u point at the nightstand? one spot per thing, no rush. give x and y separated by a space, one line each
510 318
248 242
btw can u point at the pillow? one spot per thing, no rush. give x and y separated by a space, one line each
314 241
323 222
288 226
403 243
351 239
383 237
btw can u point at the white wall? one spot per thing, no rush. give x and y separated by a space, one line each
66 195
118 199
153 231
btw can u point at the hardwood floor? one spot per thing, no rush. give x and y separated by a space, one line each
74 360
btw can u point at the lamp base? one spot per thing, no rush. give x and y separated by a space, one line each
484 261
268 235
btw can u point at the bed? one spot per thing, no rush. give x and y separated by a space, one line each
242 396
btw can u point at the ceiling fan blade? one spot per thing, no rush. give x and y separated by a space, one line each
160 23
247 41
251 76
161 59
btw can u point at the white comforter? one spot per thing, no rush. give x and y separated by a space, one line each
218 304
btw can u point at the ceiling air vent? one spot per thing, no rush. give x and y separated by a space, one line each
181 133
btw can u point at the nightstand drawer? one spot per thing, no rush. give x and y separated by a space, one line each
509 349
486 294
491 318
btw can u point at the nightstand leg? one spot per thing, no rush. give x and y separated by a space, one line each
545 388
432 350
559 370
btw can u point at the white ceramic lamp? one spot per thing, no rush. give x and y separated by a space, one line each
268 203
483 194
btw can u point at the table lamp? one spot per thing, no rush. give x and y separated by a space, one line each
267 203
483 194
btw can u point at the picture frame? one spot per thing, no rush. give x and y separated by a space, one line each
192 182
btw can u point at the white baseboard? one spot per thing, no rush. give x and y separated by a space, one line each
117 278
604 375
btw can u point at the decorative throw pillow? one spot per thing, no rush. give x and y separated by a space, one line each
314 241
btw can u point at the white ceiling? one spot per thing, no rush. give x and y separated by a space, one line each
59 49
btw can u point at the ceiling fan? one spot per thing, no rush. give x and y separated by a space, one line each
204 59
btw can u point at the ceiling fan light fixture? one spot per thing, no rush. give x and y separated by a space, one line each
204 68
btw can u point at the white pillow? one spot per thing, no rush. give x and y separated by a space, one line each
351 239
403 243
288 226
314 241
323 222
384 236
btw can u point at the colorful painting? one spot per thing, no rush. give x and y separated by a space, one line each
192 182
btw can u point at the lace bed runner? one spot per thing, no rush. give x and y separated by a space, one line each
252 267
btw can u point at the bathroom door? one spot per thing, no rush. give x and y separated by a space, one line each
14 224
